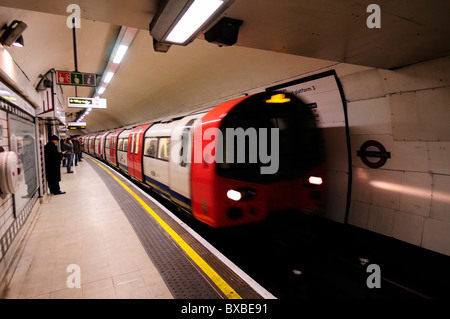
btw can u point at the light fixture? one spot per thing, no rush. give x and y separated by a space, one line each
108 77
123 42
19 42
181 21
120 53
12 34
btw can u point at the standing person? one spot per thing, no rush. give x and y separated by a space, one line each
52 165
68 154
76 149
63 141
81 149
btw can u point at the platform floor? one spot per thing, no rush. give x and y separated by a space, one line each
84 227
100 236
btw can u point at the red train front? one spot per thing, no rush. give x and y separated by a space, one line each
255 156
236 164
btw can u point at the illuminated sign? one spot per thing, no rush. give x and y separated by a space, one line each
76 78
84 102
76 125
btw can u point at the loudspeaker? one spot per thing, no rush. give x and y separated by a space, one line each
224 32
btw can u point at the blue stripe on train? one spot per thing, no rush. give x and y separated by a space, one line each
165 190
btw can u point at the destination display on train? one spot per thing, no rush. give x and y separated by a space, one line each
84 102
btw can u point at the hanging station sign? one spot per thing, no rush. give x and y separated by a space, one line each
76 78
76 125
84 102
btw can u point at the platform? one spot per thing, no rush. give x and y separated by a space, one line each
105 238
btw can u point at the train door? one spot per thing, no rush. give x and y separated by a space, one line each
135 154
130 153
113 148
180 163
108 147
122 150
86 143
97 145
102 145
92 144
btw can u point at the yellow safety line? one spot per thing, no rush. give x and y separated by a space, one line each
211 273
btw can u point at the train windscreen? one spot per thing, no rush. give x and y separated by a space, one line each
269 137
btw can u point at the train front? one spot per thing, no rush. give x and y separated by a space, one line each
256 156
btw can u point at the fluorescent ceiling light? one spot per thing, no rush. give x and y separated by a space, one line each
120 53
108 77
101 90
193 19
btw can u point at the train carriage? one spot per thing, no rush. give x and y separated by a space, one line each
234 164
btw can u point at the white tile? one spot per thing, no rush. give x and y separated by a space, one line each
421 115
408 227
436 236
385 186
381 220
418 76
362 85
362 191
379 121
415 193
439 157
440 204
359 214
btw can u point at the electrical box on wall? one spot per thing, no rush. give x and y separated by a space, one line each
9 172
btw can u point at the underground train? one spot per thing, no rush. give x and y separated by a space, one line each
236 163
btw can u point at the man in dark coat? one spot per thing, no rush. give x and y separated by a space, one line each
76 150
53 165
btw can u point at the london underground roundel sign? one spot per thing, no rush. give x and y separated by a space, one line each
373 154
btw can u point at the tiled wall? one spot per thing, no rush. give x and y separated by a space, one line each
407 111
11 222
6 201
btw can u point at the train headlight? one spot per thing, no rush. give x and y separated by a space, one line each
241 194
234 195
314 180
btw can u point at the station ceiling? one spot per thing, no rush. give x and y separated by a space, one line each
277 40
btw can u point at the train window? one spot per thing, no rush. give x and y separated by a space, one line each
186 142
164 148
120 144
108 143
150 147
125 145
132 144
299 149
136 147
